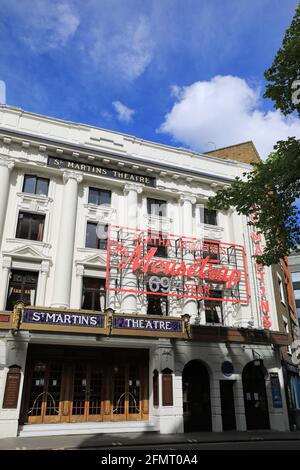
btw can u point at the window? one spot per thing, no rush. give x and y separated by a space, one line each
209 217
22 288
167 387
93 294
96 236
156 207
214 308
155 388
157 240
99 197
35 185
30 226
211 250
281 289
286 329
157 305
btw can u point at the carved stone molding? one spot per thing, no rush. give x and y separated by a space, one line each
133 187
5 162
187 198
67 175
34 202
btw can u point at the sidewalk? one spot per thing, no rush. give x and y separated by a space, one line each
103 441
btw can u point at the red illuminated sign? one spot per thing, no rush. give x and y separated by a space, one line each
260 274
156 263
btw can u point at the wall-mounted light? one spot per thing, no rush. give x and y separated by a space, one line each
186 321
109 312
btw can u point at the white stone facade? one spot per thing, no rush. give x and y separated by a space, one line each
185 180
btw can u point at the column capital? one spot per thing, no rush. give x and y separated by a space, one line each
186 197
6 263
45 266
133 187
5 162
80 270
67 175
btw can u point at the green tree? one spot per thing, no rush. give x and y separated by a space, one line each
269 191
285 70
272 189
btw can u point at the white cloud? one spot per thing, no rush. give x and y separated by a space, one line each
124 114
125 53
2 92
45 24
226 111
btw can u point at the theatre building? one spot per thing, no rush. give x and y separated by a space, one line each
125 303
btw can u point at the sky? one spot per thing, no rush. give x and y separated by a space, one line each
186 73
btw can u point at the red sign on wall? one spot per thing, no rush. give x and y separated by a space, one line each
157 263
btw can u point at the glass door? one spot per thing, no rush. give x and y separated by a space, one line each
126 404
44 404
86 402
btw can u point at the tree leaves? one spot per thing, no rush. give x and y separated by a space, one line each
285 69
270 191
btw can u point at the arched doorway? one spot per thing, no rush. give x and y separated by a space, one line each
255 396
196 397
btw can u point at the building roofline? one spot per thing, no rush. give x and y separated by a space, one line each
236 145
131 157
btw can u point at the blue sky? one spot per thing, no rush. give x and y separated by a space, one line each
181 72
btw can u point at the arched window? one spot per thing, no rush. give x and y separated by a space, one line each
167 387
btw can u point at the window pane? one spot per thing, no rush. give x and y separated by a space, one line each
37 227
105 197
29 184
91 236
102 234
156 240
99 196
93 196
296 276
211 250
22 287
156 207
23 226
210 216
42 186
30 226
93 294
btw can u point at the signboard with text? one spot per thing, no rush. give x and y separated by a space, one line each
146 325
97 170
38 318
156 263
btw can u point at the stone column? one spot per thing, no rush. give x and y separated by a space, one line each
66 237
6 266
187 201
13 351
240 414
79 281
45 265
216 413
5 169
129 300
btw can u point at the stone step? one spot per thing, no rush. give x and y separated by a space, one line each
63 429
